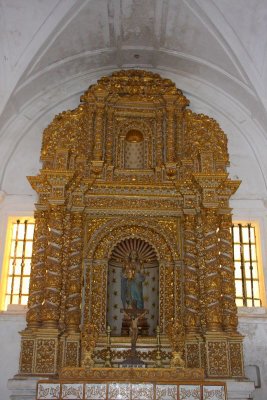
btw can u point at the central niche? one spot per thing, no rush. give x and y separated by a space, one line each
134 150
133 287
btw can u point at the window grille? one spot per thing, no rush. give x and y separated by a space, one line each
19 263
246 266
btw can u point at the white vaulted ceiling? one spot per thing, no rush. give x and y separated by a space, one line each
214 50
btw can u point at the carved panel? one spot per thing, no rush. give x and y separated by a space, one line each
193 357
217 356
26 357
236 359
45 356
72 354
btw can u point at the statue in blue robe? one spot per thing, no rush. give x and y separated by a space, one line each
132 278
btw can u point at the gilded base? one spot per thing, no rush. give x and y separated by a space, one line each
158 375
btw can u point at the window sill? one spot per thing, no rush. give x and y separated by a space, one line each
252 312
15 309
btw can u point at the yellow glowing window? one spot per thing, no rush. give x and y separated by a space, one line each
19 262
246 266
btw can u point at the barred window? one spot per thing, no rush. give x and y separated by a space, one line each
246 265
19 261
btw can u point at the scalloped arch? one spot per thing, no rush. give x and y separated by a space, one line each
108 235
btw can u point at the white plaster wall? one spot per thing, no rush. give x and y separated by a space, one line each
253 325
10 325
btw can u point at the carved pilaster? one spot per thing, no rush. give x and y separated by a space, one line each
37 269
170 132
98 301
191 287
109 138
73 302
99 130
89 120
159 128
229 309
167 295
53 280
179 132
212 276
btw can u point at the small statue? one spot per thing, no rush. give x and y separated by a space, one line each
88 361
134 326
177 360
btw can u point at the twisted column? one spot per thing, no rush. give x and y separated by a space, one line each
53 279
73 299
229 309
191 286
65 267
36 293
212 283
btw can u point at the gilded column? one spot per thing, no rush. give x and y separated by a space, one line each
36 292
191 285
200 251
53 280
229 309
212 283
65 266
99 130
73 302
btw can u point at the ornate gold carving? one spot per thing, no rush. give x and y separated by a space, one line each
236 359
46 350
177 361
177 200
193 355
26 358
133 374
212 283
53 279
227 274
191 287
72 354
36 291
73 300
217 356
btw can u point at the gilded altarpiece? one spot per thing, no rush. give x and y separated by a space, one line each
132 162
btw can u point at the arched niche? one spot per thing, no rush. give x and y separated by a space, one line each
134 150
98 251
134 145
133 285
